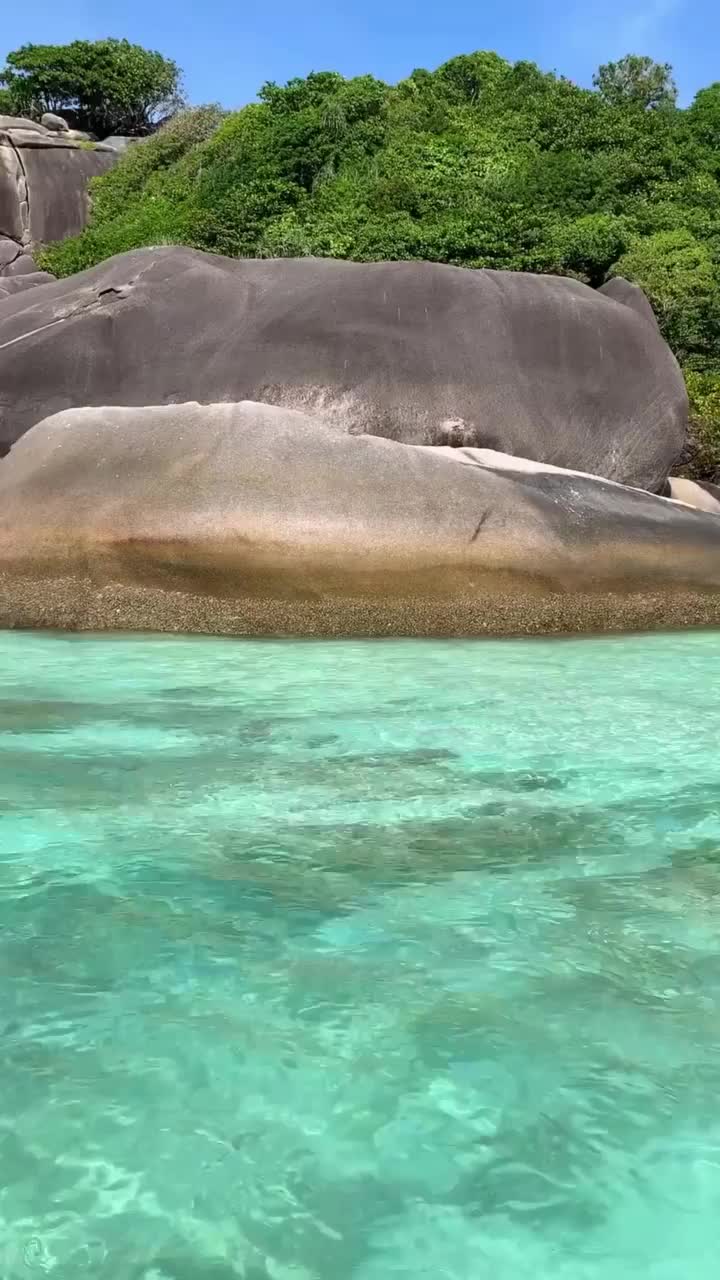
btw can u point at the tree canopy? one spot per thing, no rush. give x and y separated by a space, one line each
480 163
635 81
103 86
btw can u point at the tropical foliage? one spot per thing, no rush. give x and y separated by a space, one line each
103 86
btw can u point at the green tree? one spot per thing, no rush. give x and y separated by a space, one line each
636 81
588 246
472 76
104 86
704 118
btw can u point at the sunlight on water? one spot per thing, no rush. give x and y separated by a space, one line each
360 961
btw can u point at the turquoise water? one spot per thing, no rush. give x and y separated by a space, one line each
360 961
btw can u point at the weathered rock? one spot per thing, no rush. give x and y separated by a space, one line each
43 181
9 251
44 140
697 493
537 366
58 183
54 123
119 141
251 519
630 295
35 138
18 270
19 122
12 224
12 285
23 264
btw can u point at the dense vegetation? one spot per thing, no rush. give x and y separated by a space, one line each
103 86
481 163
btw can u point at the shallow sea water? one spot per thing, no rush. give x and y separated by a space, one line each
360 960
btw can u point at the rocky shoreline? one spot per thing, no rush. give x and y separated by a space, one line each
317 447
250 519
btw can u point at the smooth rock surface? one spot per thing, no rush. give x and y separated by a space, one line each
22 265
537 366
12 224
253 519
12 285
54 123
9 123
9 251
58 185
43 181
42 139
630 295
120 141
697 493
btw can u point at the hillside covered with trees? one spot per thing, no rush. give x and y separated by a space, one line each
480 163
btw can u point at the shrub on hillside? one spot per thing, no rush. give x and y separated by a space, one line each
702 458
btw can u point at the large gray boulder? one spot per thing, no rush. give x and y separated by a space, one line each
253 519
44 177
57 181
537 366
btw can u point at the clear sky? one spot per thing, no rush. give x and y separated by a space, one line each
227 48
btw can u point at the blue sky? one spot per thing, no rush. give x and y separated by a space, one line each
228 49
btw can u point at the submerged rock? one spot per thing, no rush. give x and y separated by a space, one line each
255 519
537 366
